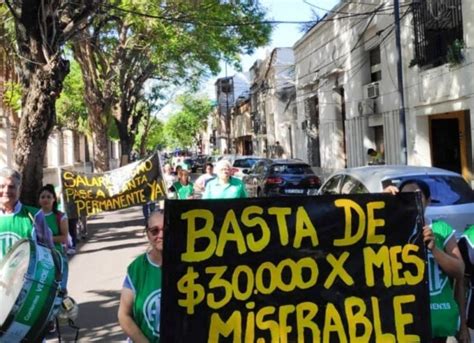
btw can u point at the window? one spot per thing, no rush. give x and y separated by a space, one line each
375 65
445 190
353 186
295 169
438 30
332 186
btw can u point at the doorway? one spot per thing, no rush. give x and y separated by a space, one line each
448 142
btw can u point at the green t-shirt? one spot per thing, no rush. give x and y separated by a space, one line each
15 226
215 189
444 311
183 191
52 222
144 279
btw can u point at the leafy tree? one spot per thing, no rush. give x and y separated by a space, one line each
70 107
150 134
177 42
184 126
41 29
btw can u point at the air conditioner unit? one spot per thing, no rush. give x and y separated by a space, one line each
371 91
366 107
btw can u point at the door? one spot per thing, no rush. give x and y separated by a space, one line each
448 142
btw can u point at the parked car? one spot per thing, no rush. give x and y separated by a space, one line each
242 164
452 199
200 162
281 177
213 159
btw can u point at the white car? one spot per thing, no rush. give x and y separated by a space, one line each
242 164
452 199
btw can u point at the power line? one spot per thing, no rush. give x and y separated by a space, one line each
220 23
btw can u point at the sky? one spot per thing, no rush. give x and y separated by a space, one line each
283 35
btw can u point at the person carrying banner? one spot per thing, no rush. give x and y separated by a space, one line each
224 186
17 220
445 265
466 246
183 188
139 309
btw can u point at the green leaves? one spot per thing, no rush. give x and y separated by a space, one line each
184 126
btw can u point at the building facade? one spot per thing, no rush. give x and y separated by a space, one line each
273 103
347 90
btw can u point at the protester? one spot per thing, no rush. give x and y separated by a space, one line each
168 176
201 181
224 186
183 188
18 221
72 225
445 265
142 288
177 170
466 246
58 224
56 220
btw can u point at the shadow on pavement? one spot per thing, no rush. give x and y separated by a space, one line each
97 320
109 233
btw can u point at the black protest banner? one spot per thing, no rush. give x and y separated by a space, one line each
131 185
306 269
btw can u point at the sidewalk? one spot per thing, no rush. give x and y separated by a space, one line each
97 271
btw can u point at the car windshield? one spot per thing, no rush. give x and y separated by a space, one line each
244 163
294 169
445 190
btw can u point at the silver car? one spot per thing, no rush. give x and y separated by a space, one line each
452 199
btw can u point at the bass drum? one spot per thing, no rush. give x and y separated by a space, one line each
30 291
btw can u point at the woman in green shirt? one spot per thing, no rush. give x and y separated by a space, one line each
183 188
139 310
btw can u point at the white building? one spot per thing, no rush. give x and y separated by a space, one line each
347 85
273 102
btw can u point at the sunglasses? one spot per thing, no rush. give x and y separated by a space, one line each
154 230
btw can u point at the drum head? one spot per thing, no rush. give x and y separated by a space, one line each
12 272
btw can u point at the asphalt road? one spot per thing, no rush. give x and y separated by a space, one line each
97 271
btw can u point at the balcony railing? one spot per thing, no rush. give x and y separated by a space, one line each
438 28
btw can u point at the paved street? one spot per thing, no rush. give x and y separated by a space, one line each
97 272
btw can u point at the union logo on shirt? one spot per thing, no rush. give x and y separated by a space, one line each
7 239
438 279
151 312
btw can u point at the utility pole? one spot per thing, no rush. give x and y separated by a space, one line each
401 93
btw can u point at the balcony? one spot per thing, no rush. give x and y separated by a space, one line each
438 31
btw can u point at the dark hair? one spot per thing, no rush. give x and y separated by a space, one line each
422 185
370 151
209 165
50 189
155 211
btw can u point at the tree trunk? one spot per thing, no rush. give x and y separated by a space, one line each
37 120
99 127
127 139
145 134
98 97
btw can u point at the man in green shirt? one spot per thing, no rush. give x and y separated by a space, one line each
18 221
224 186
